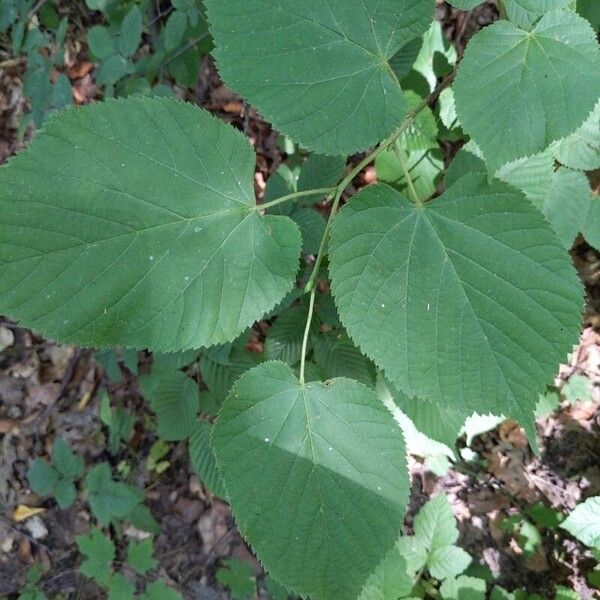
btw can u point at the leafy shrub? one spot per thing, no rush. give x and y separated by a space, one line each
133 223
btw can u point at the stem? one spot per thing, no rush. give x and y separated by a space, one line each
311 306
322 191
411 185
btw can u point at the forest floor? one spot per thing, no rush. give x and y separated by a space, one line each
48 391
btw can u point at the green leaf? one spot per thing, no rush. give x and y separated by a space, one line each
141 518
100 42
131 32
578 387
404 59
584 522
119 588
435 524
174 398
139 556
173 260
159 590
100 553
581 150
65 493
66 461
320 171
542 85
284 340
111 69
186 67
463 588
524 13
563 593
312 228
239 577
109 498
174 29
465 4
42 477
567 203
349 98
413 551
454 299
203 459
332 449
441 423
424 168
588 9
390 580
447 561
421 134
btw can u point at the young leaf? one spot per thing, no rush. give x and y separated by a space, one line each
175 259
100 42
174 398
131 32
453 299
65 493
463 588
390 580
239 577
349 97
174 29
203 459
542 85
66 461
100 552
139 556
159 590
42 477
584 522
447 561
141 518
109 498
435 524
119 588
333 450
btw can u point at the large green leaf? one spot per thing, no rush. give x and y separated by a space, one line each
468 299
320 73
131 223
517 91
316 475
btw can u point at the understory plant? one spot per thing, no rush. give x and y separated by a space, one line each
445 289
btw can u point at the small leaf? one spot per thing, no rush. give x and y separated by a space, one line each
42 477
131 32
435 524
100 42
141 518
109 498
174 29
66 461
159 590
524 13
542 84
65 493
349 98
463 588
447 561
584 522
333 449
581 150
119 588
139 556
203 458
174 260
100 553
239 577
320 171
